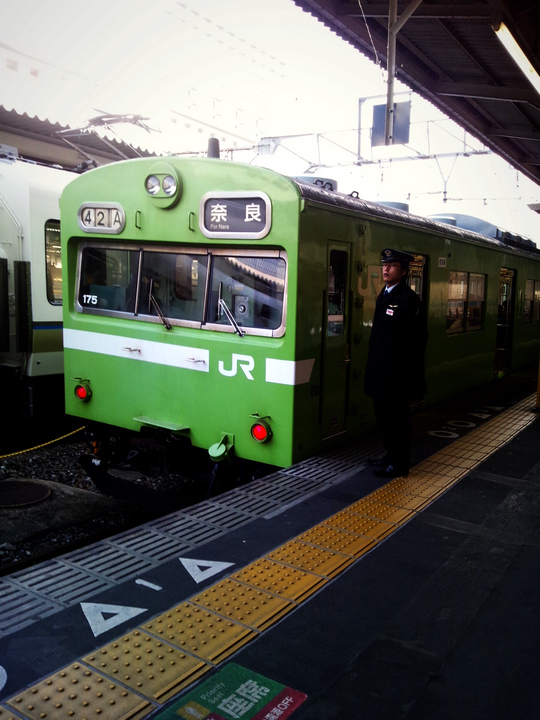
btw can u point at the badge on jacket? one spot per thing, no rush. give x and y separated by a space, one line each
389 311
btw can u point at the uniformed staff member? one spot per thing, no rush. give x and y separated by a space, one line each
395 364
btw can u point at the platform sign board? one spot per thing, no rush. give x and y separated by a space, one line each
402 124
236 693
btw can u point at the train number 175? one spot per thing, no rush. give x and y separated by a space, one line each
89 299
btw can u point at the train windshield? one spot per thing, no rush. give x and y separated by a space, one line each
108 279
250 289
212 289
173 283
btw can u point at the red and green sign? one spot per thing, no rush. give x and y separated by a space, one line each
236 693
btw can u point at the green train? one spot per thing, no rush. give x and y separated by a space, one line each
231 306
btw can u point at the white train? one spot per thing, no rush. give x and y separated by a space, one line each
31 355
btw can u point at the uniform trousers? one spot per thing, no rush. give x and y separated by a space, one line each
393 415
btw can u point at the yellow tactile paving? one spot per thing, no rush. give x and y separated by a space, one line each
244 604
216 622
399 498
279 579
341 541
200 632
381 511
148 665
314 559
421 487
6 714
79 692
360 525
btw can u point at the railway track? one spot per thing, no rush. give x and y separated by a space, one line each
79 506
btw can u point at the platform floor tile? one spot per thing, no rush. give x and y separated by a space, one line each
313 559
200 632
147 665
123 680
337 540
243 604
77 691
6 714
282 580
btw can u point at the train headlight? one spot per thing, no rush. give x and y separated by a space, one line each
261 431
153 186
163 184
169 185
83 392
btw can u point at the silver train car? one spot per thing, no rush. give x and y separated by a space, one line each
31 353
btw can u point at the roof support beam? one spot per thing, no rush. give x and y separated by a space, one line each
487 92
516 134
473 11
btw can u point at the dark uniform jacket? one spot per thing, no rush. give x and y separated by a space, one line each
397 345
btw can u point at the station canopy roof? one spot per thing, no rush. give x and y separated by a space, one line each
66 61
449 53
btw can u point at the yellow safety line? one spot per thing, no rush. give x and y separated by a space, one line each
36 447
157 661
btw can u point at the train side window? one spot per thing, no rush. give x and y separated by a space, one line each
476 299
337 271
466 299
53 262
108 278
457 297
251 289
528 301
531 304
415 278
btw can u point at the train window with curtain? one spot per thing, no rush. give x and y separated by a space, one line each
53 262
476 299
457 298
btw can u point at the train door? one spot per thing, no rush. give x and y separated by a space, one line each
505 315
335 345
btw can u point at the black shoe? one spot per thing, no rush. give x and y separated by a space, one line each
378 462
392 471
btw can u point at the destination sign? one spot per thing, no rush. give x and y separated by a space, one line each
229 215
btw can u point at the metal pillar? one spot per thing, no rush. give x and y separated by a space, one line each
394 26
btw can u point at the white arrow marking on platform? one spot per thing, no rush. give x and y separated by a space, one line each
195 568
3 677
95 614
148 584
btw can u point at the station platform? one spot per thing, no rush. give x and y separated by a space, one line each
317 592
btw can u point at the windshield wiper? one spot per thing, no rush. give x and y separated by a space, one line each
230 317
157 308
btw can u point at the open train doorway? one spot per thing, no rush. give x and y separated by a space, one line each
505 314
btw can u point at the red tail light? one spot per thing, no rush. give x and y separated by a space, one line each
83 392
261 431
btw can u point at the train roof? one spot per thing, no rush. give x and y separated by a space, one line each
322 193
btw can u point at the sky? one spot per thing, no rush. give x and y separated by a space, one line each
244 71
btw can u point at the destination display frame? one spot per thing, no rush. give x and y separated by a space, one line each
246 215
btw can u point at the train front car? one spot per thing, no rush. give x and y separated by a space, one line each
180 306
